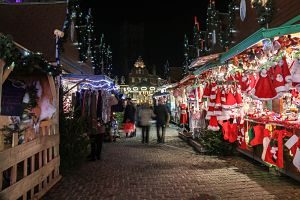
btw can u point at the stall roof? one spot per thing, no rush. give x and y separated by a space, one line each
207 66
259 35
203 60
90 81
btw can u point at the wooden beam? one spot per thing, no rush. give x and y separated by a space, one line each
6 73
52 86
2 63
1 180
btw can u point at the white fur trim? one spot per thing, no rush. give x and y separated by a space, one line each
213 128
223 117
281 89
211 104
210 113
266 142
229 106
218 105
296 78
279 78
289 78
265 99
263 73
213 96
218 112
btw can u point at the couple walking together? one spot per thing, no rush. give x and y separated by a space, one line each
160 114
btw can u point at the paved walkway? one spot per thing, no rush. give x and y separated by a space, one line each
132 170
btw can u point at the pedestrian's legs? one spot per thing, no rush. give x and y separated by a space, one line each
158 134
143 133
163 133
93 147
147 134
99 142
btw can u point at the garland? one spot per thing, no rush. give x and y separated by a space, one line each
264 10
8 50
29 62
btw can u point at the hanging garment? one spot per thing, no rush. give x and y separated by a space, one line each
183 114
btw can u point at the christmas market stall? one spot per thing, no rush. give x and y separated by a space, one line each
253 97
29 132
265 66
91 96
187 105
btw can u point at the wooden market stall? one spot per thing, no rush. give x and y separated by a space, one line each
29 124
277 113
253 96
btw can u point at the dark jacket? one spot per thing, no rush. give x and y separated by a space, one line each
162 114
129 113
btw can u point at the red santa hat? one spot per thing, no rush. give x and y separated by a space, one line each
243 82
252 81
230 100
238 96
218 102
207 90
286 71
213 124
264 89
278 81
213 93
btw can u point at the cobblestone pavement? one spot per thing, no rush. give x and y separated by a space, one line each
132 170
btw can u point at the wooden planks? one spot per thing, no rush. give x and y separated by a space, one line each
15 191
19 153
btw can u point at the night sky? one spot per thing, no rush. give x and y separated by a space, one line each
165 25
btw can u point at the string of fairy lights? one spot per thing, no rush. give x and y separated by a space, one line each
91 47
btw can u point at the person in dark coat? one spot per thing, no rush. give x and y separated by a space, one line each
162 119
97 140
129 118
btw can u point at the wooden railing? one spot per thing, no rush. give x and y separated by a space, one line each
29 170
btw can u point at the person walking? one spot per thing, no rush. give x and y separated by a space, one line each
162 119
97 140
129 118
145 115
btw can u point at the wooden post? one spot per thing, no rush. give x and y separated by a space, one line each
32 170
1 141
13 175
40 166
1 179
25 167
15 139
2 63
